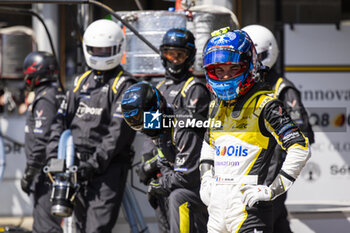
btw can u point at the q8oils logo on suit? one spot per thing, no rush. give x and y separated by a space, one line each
231 151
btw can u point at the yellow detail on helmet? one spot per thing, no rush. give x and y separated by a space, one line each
220 31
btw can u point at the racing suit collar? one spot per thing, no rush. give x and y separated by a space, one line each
238 105
42 86
108 74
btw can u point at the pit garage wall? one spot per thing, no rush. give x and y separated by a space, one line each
317 61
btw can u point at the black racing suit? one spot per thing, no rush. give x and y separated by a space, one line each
102 139
285 91
178 160
40 115
189 93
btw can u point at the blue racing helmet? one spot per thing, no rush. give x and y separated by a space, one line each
230 47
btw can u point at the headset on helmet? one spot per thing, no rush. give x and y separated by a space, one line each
139 98
103 45
230 47
39 67
265 44
178 38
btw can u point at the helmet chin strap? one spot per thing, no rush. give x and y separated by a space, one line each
176 76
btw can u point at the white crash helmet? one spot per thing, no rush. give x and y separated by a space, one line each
103 44
265 44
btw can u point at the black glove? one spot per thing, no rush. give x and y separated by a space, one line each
153 201
85 171
28 177
148 168
155 189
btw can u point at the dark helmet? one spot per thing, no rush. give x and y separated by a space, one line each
139 99
39 67
178 38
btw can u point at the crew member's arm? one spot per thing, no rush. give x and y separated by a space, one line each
149 162
186 166
43 114
117 142
198 100
64 116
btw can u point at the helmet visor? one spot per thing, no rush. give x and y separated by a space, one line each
134 119
221 56
262 56
102 51
219 72
175 55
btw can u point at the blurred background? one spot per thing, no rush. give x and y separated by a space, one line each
313 37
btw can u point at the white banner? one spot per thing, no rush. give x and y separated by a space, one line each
326 95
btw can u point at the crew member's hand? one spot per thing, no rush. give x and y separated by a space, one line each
155 189
85 171
28 177
254 193
148 168
153 200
